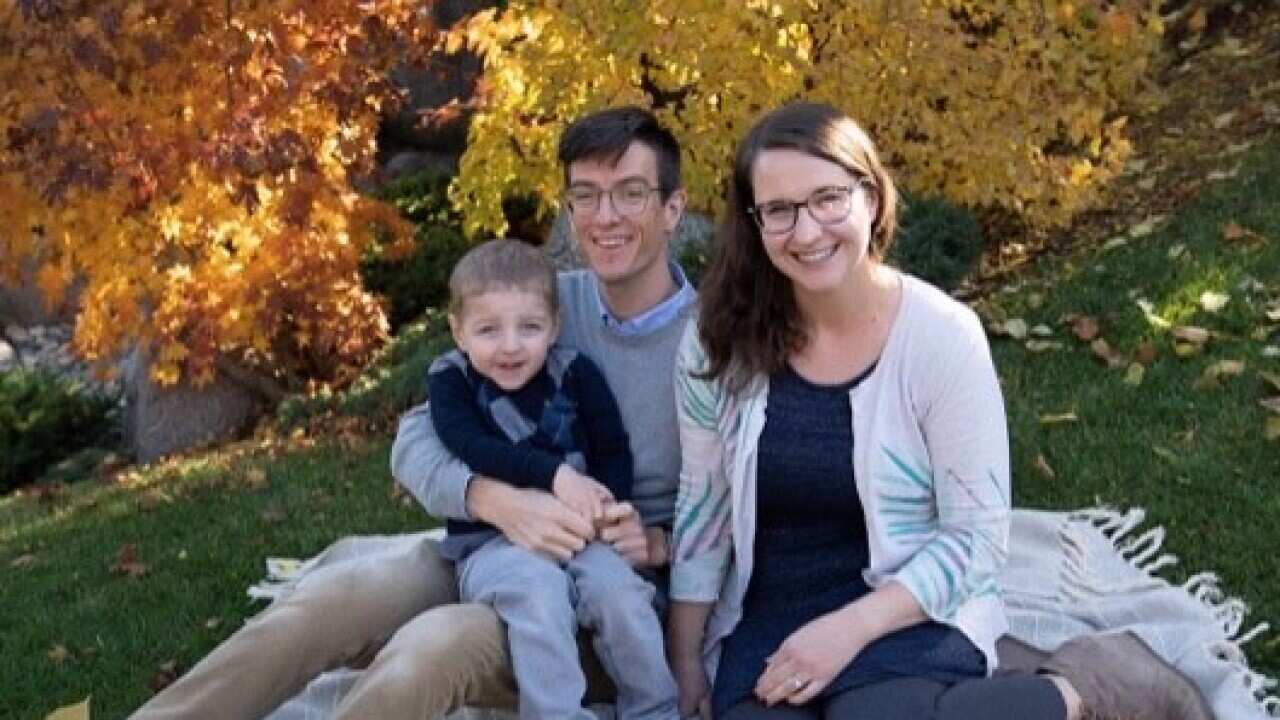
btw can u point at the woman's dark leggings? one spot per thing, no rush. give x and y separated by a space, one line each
1012 696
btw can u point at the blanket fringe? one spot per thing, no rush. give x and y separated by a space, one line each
1117 526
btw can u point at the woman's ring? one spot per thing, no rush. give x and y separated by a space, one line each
797 684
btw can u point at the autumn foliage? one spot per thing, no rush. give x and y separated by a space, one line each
1013 104
191 161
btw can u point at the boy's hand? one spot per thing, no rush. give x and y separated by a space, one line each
581 493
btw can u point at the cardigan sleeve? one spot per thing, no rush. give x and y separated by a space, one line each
701 533
962 418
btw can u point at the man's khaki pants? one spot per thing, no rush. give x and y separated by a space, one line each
426 655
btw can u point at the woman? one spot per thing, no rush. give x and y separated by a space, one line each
844 497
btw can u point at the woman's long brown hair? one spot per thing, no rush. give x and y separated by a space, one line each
749 322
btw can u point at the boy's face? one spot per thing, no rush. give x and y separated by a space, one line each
505 334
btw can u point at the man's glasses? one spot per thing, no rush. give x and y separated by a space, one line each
629 198
827 206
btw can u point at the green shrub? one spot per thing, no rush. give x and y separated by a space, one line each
937 241
393 383
44 419
413 284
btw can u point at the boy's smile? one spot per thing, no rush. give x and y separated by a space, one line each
505 334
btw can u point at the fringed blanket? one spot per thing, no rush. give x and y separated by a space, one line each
1068 574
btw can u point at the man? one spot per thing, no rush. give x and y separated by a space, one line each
429 654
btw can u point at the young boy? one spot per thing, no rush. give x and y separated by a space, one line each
517 408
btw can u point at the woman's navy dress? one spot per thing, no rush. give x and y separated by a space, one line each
811 550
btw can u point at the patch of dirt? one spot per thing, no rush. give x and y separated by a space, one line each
1214 94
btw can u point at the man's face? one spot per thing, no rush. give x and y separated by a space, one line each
624 242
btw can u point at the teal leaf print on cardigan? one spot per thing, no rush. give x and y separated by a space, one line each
908 505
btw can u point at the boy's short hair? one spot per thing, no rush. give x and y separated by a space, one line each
503 264
606 135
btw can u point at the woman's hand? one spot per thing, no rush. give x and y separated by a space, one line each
809 659
691 682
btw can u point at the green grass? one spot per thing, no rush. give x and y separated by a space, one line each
204 542
1196 459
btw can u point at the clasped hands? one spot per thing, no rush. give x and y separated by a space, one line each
559 525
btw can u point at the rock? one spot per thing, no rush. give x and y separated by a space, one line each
163 420
412 162
23 304
8 356
17 333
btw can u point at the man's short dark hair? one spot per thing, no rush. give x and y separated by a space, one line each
607 134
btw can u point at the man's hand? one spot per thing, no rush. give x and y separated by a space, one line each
622 529
581 492
532 519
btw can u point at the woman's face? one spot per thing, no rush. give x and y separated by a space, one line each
816 256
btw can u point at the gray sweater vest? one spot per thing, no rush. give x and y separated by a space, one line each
640 371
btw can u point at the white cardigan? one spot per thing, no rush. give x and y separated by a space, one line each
930 459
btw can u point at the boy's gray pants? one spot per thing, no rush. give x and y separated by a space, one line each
543 603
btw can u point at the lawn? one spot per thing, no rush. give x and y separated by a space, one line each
111 587
1197 459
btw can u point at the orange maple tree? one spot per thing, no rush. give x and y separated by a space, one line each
191 162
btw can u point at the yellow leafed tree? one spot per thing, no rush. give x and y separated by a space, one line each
1014 104
191 161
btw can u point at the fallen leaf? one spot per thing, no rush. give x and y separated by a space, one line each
153 498
1272 379
1212 302
1271 405
1146 227
1273 428
1116 242
1039 346
1217 175
1102 350
1176 251
1191 334
256 479
1042 330
1164 453
1237 148
127 562
1223 120
78 711
22 561
1211 376
213 623
165 675
1085 327
1232 232
1147 183
1133 375
1016 328
1146 353
1272 310
58 654
1058 418
1149 312
1042 466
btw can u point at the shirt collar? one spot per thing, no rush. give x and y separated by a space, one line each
656 317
